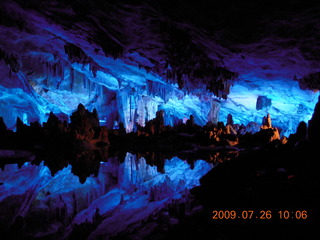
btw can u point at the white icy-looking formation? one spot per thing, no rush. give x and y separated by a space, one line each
137 102
149 191
122 91
16 180
59 87
289 105
58 198
123 193
47 66
19 190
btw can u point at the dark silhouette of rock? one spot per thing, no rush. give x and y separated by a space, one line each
159 122
52 122
299 136
3 126
302 130
190 121
122 129
229 119
4 139
314 126
20 126
154 126
84 123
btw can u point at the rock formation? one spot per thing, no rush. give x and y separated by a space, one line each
84 123
167 72
272 133
263 102
313 125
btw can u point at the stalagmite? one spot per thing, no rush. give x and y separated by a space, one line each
229 119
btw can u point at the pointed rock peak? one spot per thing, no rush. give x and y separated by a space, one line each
81 107
229 119
266 121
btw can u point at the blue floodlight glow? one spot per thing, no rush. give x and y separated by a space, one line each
141 67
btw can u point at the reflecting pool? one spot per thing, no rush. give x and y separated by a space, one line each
121 197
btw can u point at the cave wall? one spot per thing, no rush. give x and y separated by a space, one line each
130 60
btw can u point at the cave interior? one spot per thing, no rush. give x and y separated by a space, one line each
107 107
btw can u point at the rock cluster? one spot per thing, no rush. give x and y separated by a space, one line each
83 142
281 174
253 170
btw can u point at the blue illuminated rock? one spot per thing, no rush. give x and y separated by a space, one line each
125 194
263 102
128 77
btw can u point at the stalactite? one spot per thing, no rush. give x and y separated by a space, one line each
71 78
164 91
76 54
62 71
84 80
190 67
214 112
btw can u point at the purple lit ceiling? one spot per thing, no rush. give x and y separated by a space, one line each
129 59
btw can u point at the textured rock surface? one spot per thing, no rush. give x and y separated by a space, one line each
129 60
123 196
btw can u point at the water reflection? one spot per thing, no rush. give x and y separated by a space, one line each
85 159
116 194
